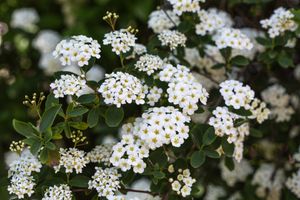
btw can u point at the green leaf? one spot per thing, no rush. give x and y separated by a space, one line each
79 125
197 159
239 122
241 111
159 174
35 147
93 117
49 117
218 66
285 60
77 111
50 146
114 116
256 133
229 163
197 133
227 148
212 153
86 98
23 128
51 101
31 141
79 181
239 61
209 136
44 155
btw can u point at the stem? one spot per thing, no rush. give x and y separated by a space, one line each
138 191
122 60
68 178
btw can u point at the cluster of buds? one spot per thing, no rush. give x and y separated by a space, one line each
35 102
132 30
17 146
78 139
111 19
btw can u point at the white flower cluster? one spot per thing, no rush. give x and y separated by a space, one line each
223 122
268 179
20 174
79 50
62 192
105 181
210 21
180 6
234 38
153 96
183 89
239 174
173 39
68 85
129 152
25 19
214 192
139 49
101 154
162 125
121 88
279 100
239 96
71 159
46 41
160 20
293 182
183 182
279 22
121 41
149 63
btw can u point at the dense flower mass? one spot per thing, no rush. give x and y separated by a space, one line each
71 160
279 100
182 183
77 50
172 39
160 20
121 88
149 63
121 41
20 174
183 89
100 154
180 6
279 22
25 18
105 181
234 38
62 192
68 85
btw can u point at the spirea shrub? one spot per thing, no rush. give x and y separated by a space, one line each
195 121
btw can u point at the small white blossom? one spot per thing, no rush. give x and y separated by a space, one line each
79 50
279 22
25 19
234 38
154 95
71 160
160 20
105 181
172 39
68 85
182 185
149 63
61 192
121 40
180 6
100 154
293 183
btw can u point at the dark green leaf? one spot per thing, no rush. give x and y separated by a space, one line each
212 154
114 116
93 117
239 122
86 98
229 163
51 101
35 147
209 136
227 148
197 159
256 133
79 181
50 146
159 174
239 61
23 128
77 111
79 125
49 117
44 155
285 60
241 111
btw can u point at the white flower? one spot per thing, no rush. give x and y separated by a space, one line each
234 38
183 88
139 49
279 100
182 185
79 50
71 159
172 39
154 95
101 154
180 6
160 20
68 85
49 64
279 22
121 41
105 181
293 183
62 192
46 41
214 192
121 88
149 63
25 18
